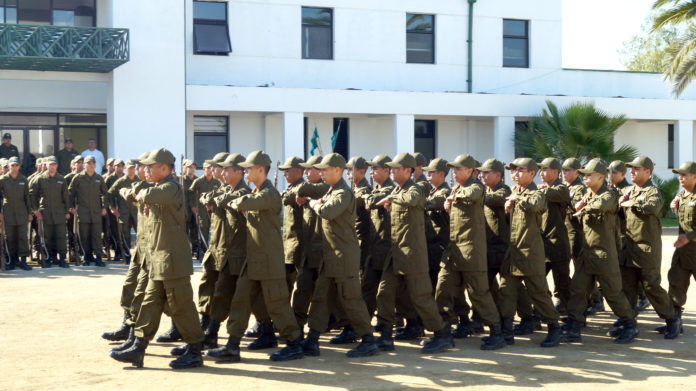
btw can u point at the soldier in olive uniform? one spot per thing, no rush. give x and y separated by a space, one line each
76 166
263 272
7 149
408 267
65 157
51 199
525 259
643 203
418 175
170 267
89 191
598 258
4 166
124 211
340 268
110 223
573 181
189 173
16 212
293 239
357 172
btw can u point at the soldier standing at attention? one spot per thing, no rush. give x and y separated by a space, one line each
408 266
89 191
170 267
525 260
263 272
65 157
51 200
339 272
76 166
124 211
642 204
16 212
598 259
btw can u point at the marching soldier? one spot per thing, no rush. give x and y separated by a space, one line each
437 220
51 200
203 185
576 188
293 240
89 191
124 211
191 225
16 212
418 176
357 170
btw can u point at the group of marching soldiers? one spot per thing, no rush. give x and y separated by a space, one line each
401 245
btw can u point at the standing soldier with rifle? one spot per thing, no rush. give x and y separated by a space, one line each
125 212
111 227
88 190
74 248
16 212
188 172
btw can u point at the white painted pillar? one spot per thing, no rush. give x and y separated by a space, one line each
683 142
404 133
504 140
293 135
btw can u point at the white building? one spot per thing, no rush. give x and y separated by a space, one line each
392 75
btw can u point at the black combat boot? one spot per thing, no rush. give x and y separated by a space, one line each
179 350
573 331
643 303
385 341
134 354
254 330
127 343
508 331
368 347
628 333
98 261
553 336
23 264
266 340
171 335
495 339
411 331
442 340
190 359
61 261
292 351
346 336
674 326
227 353
205 321
211 335
120 334
661 329
528 325
476 323
10 263
310 344
46 263
463 328
87 259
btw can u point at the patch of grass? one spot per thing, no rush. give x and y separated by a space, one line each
669 222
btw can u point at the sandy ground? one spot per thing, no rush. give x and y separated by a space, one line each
52 321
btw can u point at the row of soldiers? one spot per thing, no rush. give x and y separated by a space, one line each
402 246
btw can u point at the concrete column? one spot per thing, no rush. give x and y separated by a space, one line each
293 135
683 142
404 136
504 141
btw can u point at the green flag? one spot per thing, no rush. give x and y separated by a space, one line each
314 140
335 136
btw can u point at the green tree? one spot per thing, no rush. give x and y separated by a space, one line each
646 50
579 130
680 56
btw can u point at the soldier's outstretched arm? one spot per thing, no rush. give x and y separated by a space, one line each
557 194
651 204
337 203
260 200
411 197
497 198
468 195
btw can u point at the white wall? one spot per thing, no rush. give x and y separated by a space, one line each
650 138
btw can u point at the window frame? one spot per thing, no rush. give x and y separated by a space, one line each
212 22
203 134
517 37
431 33
52 8
304 25
344 123
434 138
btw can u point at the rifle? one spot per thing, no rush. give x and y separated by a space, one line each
275 176
201 238
106 242
182 183
122 248
78 239
43 251
2 247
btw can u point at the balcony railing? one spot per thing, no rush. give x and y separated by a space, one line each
61 48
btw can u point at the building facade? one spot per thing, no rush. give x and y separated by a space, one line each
440 77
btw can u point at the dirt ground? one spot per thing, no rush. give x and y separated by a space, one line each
52 321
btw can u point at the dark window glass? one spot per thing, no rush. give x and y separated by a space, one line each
515 43
317 33
74 12
420 39
34 12
210 31
210 135
340 135
670 146
424 131
520 126
63 18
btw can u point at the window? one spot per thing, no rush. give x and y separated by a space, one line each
49 12
339 140
420 39
73 13
210 31
317 33
520 127
209 137
670 146
424 131
515 43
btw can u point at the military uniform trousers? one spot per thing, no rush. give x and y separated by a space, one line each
204 222
348 294
649 279
17 240
418 288
583 283
206 288
302 295
178 295
561 288
135 292
54 235
369 284
128 221
90 234
679 274
537 289
275 297
225 286
452 283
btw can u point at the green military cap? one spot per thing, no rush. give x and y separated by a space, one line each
233 160
550 162
38 161
76 159
332 160
686 168
118 161
464 160
571 164
523 162
13 160
421 160
292 162
478 164
50 159
379 161
188 162
492 165
89 158
595 165
356 162
256 158
110 161
404 159
217 159
437 164
312 161
617 165
142 156
130 163
159 155
642 161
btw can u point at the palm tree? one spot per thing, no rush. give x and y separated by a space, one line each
579 130
681 54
